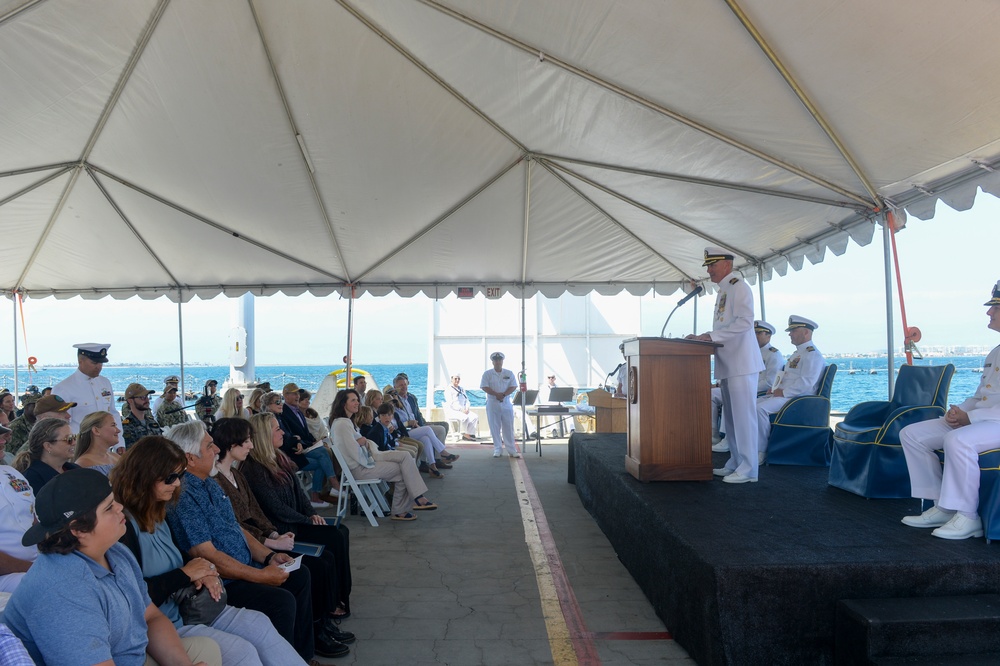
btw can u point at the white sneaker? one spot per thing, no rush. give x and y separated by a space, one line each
496 454
932 517
960 527
722 471
761 457
319 505
515 455
721 447
736 477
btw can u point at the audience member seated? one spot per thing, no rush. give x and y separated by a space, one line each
458 407
392 466
68 610
147 479
52 407
6 457
302 448
168 381
232 406
21 426
434 453
271 477
254 402
171 411
137 417
16 516
7 401
314 421
204 525
375 400
12 650
47 453
413 416
98 434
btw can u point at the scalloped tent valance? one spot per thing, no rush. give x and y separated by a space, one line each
188 148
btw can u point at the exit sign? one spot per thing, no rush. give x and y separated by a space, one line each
492 292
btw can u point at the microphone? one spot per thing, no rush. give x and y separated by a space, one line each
694 292
612 374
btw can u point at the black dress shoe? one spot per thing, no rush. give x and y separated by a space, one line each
333 631
327 646
423 468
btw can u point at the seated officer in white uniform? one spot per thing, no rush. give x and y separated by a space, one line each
88 389
773 360
801 377
964 432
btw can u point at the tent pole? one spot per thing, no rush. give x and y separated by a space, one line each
348 360
180 341
17 390
890 345
760 290
694 317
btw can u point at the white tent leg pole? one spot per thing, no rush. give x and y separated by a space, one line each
180 341
17 390
890 345
348 359
524 373
760 290
694 317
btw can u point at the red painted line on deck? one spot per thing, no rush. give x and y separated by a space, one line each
631 635
582 640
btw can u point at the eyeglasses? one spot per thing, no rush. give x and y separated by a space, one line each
68 440
171 479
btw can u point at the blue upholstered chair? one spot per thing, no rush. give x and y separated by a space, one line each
867 456
800 430
989 492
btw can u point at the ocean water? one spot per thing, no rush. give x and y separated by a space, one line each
848 389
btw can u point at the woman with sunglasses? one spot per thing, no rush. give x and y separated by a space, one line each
98 433
232 406
47 453
145 481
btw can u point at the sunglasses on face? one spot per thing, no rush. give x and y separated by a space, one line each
171 479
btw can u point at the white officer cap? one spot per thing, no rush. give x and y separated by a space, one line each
995 300
714 254
95 351
497 355
761 326
796 321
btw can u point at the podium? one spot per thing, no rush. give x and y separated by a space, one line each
611 413
669 405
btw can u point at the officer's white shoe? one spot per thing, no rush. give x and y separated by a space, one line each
496 454
722 471
736 477
960 527
515 455
932 517
721 447
761 457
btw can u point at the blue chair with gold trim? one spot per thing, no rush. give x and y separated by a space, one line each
800 430
989 492
867 456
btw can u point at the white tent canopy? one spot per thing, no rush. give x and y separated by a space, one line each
194 148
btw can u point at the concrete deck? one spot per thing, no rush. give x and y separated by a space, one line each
459 585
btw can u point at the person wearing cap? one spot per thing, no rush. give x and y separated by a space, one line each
737 363
966 430
138 421
300 445
168 381
801 377
6 457
171 411
458 407
498 383
21 426
87 388
83 601
50 448
773 361
17 515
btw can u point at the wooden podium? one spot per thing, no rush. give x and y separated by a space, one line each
611 412
669 405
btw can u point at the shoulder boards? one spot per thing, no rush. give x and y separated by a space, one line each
772 349
733 280
810 348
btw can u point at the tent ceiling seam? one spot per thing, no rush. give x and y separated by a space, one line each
647 103
646 209
56 211
708 182
215 225
128 223
17 11
33 186
430 227
813 110
431 73
42 167
610 217
295 133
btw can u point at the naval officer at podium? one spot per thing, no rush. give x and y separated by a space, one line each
737 364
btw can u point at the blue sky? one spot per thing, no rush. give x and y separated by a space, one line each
948 270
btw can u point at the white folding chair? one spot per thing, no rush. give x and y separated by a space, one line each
369 492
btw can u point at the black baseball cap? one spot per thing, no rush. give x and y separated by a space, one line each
67 496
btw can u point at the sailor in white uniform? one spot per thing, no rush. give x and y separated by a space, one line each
737 364
800 377
88 389
964 432
458 408
773 361
498 383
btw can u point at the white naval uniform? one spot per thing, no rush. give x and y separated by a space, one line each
773 360
17 514
455 402
500 413
737 364
801 377
90 395
957 487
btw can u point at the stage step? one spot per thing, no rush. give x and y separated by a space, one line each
918 631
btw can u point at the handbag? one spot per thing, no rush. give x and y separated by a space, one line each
197 606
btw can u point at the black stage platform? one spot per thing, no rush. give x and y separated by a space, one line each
751 573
